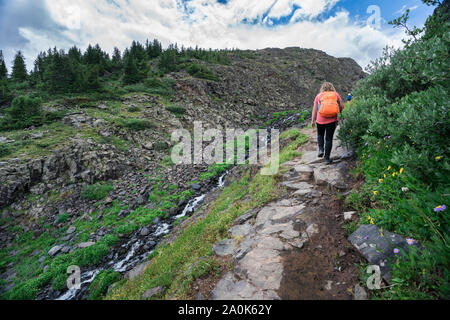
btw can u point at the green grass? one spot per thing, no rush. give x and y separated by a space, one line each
201 71
57 137
135 124
57 271
213 171
178 111
63 218
97 191
101 283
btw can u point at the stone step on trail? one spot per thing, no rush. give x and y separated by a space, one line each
335 175
258 267
299 173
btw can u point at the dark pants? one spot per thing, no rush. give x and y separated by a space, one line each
326 131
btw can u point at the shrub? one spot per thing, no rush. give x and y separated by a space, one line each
199 71
179 111
398 124
161 146
101 283
5 150
136 124
63 218
25 112
96 191
134 109
162 87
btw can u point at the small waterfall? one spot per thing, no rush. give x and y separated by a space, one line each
88 278
121 266
132 259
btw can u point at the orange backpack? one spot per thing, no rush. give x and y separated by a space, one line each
329 105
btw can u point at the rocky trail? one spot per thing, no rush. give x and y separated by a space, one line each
296 247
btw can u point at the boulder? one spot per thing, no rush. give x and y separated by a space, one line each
53 251
71 230
380 246
153 292
224 247
360 293
145 232
136 271
85 244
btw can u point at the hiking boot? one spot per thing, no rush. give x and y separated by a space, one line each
328 161
320 155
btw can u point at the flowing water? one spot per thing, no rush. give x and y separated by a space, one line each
131 252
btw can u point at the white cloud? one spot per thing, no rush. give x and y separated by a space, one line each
211 25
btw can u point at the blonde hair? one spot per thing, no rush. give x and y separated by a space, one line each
327 86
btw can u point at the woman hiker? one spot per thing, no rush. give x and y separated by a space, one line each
327 106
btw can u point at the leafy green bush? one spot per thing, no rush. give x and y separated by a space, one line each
162 87
134 109
179 111
63 218
398 122
202 72
5 150
25 112
96 191
136 124
161 146
101 283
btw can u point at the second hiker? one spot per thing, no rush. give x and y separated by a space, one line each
327 106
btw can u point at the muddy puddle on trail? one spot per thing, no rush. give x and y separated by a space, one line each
325 268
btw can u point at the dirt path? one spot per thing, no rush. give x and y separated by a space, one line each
295 248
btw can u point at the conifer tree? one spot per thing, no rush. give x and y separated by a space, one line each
3 69
19 70
5 92
75 54
130 72
92 81
59 75
117 59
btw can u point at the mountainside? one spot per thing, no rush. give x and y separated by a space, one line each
85 188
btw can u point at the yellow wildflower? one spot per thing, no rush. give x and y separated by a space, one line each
389 168
375 192
401 170
438 158
380 180
385 175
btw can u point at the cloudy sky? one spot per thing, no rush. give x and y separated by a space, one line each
342 28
